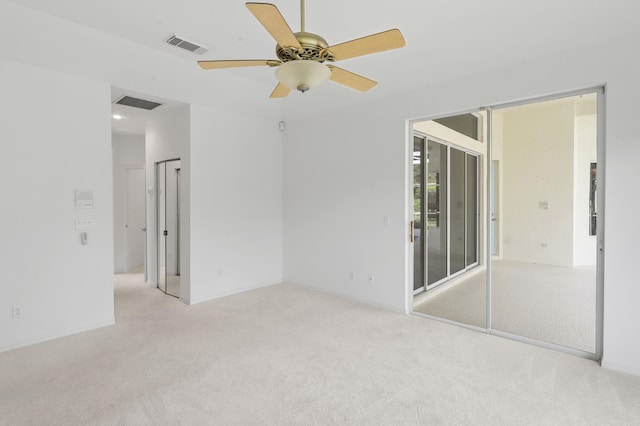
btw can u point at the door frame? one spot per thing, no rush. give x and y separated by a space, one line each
156 171
486 256
125 203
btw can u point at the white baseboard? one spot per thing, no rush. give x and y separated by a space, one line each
348 297
45 338
231 293
620 367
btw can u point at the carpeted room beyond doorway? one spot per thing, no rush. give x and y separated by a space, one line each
285 355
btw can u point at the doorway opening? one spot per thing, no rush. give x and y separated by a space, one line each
538 274
129 207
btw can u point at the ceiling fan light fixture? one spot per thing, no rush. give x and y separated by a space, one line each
302 74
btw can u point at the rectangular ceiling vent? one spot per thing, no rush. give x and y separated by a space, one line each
190 46
137 103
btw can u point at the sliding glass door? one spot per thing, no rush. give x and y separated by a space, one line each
445 212
437 212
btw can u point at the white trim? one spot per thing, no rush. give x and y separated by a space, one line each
343 296
620 366
546 345
63 333
600 230
448 321
487 221
229 293
408 196
545 98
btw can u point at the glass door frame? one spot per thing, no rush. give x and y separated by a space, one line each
486 255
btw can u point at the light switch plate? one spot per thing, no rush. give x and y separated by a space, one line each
84 225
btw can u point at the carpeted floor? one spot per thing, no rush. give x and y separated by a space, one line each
551 303
283 355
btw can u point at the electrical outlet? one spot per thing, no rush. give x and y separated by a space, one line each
371 277
219 274
352 276
16 312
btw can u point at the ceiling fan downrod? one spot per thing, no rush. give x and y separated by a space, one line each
302 15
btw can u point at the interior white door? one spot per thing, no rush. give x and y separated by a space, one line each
134 219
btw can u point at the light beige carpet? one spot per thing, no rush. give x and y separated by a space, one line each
550 303
288 356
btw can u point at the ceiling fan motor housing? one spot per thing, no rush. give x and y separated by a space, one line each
314 48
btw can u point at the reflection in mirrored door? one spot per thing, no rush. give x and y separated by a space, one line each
418 203
534 242
472 210
458 211
544 272
452 284
168 231
437 210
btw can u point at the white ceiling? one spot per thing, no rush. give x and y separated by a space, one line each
122 41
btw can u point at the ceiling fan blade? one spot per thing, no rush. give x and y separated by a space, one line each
212 65
281 91
271 18
349 79
386 40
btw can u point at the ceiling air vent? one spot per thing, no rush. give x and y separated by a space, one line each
191 46
137 103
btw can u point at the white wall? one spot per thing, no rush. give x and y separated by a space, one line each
342 185
537 167
342 181
166 138
128 153
236 203
55 132
231 173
